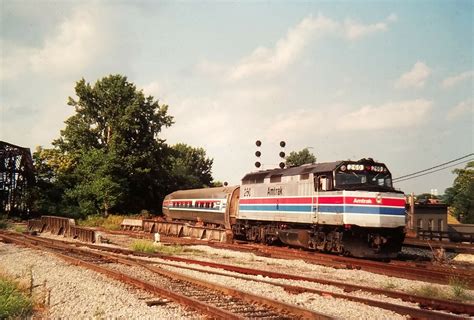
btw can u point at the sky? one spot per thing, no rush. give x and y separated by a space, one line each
390 80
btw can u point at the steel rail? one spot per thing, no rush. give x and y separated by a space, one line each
448 246
407 270
400 309
438 304
285 308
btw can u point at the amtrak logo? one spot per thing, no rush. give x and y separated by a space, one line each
378 199
362 201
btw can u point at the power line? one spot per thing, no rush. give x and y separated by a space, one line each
424 174
440 165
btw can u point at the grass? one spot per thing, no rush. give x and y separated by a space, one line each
111 222
431 291
389 285
20 229
459 289
14 301
150 247
144 246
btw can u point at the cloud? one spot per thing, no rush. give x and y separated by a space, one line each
414 78
75 43
13 61
386 116
293 125
304 122
392 17
286 50
454 80
354 30
463 108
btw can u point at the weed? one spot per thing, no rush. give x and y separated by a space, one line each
177 249
459 289
430 291
20 228
389 285
144 246
111 222
14 302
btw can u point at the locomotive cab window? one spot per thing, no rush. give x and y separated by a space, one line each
322 183
365 177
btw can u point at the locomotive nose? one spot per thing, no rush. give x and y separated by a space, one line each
372 209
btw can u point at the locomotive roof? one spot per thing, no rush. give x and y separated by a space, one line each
304 169
217 192
293 171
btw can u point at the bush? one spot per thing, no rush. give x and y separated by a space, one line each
111 222
143 246
13 302
3 222
20 229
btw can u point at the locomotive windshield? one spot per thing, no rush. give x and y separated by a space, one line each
363 178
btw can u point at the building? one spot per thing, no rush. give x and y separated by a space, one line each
431 217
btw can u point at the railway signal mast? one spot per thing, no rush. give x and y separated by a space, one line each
258 154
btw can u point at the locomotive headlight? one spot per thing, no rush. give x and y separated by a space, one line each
343 168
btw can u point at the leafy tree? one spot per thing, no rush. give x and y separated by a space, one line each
216 184
53 176
109 157
461 195
113 138
190 168
100 183
299 158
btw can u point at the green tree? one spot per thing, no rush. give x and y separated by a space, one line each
53 171
190 167
100 183
461 195
113 138
299 158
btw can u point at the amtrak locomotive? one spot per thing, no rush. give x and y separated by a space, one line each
347 207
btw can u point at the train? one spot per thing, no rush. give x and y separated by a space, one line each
345 207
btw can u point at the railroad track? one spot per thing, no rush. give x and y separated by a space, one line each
402 269
448 246
450 306
210 299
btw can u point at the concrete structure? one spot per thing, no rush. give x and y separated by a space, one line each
431 217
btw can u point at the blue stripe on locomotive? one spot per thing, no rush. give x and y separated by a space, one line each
325 209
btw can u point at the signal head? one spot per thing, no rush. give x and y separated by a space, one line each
282 144
258 143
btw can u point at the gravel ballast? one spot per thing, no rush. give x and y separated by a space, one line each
78 293
137 308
